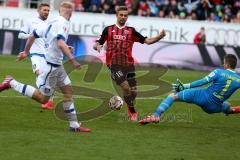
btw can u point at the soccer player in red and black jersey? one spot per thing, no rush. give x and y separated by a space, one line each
119 40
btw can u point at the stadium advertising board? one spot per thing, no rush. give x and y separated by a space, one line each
178 31
176 55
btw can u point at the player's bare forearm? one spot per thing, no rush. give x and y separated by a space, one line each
71 48
152 40
65 49
155 39
29 43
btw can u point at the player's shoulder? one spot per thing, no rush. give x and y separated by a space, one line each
234 73
52 21
215 72
226 72
30 21
36 20
237 75
55 23
130 27
57 20
107 28
110 26
218 71
35 23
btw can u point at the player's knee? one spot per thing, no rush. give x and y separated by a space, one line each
134 89
67 99
171 95
126 89
37 73
174 96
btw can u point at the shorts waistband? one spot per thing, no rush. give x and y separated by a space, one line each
54 65
36 54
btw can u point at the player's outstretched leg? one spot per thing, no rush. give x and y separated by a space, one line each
6 83
70 112
235 109
129 99
24 89
132 114
49 105
69 109
228 109
155 117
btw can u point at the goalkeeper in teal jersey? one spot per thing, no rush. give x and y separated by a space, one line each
213 99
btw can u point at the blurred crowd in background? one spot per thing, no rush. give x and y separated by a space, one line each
227 11
211 10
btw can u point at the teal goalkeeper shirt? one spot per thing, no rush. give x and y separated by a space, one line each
224 82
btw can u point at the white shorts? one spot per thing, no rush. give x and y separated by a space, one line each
51 78
38 61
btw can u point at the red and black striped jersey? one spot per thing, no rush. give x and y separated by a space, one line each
119 43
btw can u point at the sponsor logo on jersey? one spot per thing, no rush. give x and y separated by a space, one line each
119 37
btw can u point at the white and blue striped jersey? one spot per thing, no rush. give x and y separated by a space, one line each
55 30
38 46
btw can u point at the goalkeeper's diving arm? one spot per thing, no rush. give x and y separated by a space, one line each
197 83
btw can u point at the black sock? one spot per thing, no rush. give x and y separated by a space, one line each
129 101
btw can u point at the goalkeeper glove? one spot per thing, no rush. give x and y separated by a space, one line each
178 86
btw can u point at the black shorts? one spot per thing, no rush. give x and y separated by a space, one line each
123 73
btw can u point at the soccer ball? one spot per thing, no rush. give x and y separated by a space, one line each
115 103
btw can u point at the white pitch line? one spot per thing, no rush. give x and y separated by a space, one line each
78 97
83 97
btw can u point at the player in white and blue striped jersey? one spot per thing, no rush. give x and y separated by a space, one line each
38 49
53 74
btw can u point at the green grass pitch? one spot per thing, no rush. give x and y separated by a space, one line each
186 133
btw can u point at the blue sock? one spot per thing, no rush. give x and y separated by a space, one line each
226 108
165 104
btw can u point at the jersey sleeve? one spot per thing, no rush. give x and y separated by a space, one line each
24 31
102 38
62 31
137 37
212 76
209 78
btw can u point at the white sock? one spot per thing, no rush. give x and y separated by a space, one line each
71 114
74 124
22 88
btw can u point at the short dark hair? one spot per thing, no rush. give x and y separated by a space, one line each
231 60
121 8
43 5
